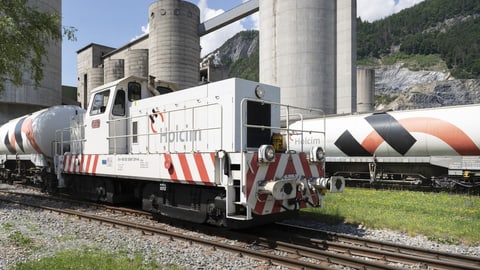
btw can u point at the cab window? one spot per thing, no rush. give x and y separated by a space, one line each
119 104
134 91
100 101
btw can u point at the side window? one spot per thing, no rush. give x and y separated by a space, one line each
134 91
119 104
100 101
135 132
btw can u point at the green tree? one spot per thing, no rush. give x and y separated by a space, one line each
449 28
25 33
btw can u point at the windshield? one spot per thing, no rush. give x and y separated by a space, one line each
100 102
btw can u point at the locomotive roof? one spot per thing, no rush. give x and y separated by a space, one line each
110 84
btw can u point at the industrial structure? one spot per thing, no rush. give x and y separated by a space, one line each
308 49
365 89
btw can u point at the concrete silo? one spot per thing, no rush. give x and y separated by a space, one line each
174 43
365 89
114 69
136 63
16 101
297 51
346 56
96 77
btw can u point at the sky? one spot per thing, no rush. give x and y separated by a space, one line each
114 23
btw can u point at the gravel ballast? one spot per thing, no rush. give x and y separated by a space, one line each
52 232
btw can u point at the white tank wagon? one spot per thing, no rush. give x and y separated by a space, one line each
26 143
439 147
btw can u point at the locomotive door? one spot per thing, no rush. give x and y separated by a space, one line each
118 125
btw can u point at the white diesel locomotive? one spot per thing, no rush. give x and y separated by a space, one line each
437 147
203 154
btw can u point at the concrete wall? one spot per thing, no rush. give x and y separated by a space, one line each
297 51
16 101
346 56
174 51
113 69
365 89
89 59
136 63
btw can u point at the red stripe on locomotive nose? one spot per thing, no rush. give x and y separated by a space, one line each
305 165
252 173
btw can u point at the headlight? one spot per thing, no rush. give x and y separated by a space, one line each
259 92
266 153
317 154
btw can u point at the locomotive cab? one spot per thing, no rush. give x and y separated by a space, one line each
108 114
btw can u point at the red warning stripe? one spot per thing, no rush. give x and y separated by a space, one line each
82 159
89 159
65 163
186 167
187 174
306 167
280 167
168 164
201 168
95 163
71 166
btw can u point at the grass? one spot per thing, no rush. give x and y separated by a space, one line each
91 259
439 216
20 240
7 226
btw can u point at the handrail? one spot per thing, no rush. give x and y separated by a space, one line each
194 111
289 116
64 135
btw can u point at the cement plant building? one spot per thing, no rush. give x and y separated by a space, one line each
307 47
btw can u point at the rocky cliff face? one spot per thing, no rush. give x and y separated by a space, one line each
422 89
242 45
400 87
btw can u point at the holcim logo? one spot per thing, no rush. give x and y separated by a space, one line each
153 120
158 126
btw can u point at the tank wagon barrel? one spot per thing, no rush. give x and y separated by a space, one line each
437 147
26 142
209 154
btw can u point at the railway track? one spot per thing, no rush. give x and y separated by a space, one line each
386 185
303 249
383 252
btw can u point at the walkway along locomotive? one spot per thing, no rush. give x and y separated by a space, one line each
203 154
438 147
